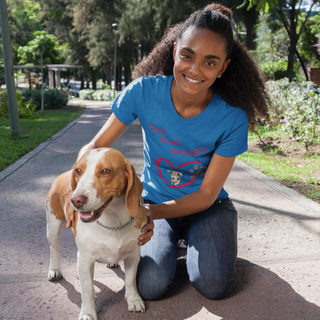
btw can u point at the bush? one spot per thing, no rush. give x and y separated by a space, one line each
98 95
54 98
297 107
86 94
275 71
25 109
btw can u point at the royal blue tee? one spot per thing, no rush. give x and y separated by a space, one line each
177 150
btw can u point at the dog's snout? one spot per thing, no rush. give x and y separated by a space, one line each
79 200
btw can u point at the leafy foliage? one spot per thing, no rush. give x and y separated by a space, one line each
99 95
289 15
271 47
25 108
54 98
43 42
24 20
297 108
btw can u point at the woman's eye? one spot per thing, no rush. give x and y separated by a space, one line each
210 63
183 55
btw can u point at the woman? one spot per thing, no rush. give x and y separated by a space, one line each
194 95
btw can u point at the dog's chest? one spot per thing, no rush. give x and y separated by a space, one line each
106 246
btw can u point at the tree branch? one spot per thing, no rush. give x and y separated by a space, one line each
305 20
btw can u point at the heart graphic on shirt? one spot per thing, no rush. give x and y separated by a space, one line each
172 166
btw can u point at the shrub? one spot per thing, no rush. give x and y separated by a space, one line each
86 94
297 107
98 95
54 98
276 70
25 109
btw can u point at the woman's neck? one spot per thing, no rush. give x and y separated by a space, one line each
189 106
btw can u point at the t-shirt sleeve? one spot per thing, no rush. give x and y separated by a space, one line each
125 105
235 141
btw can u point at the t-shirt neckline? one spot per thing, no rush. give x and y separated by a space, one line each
176 114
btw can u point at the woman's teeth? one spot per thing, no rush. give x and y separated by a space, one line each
191 80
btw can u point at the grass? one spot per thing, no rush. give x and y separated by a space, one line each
298 170
33 132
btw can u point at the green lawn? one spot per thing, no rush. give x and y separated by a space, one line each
33 132
286 161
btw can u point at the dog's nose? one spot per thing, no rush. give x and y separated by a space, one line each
79 200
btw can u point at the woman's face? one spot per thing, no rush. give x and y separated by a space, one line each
199 57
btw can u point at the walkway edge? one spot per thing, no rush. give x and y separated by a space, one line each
20 162
293 195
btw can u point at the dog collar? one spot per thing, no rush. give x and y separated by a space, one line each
117 228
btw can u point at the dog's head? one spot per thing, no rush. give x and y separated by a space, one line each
175 177
100 176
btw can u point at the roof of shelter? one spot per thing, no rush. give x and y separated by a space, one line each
54 67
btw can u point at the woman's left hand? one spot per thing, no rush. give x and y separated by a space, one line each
147 229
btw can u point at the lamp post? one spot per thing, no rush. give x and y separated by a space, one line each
115 25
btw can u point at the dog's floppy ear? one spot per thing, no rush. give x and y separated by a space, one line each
73 180
134 191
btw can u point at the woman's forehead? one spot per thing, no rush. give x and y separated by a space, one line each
199 36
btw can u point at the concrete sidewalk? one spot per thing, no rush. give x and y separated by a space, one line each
279 245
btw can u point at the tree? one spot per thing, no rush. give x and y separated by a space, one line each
288 12
43 41
24 20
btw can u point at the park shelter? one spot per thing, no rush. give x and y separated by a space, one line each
54 71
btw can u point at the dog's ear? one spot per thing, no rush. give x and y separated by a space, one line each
133 193
73 179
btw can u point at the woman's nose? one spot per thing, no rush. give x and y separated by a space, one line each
195 68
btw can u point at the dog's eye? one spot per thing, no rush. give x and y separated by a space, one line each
78 172
105 172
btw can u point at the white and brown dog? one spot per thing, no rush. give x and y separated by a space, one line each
109 215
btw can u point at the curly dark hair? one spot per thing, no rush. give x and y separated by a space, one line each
242 84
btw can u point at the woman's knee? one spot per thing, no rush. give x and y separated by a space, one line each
215 290
153 281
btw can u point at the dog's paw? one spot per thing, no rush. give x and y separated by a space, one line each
136 305
113 265
88 317
54 275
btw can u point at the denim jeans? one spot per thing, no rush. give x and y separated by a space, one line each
211 238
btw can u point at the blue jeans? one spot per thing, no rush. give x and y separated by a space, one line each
211 238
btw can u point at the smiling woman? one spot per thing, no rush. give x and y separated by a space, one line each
194 96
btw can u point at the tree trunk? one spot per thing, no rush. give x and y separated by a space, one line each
291 59
108 74
250 18
82 82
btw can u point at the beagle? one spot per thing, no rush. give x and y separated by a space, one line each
109 214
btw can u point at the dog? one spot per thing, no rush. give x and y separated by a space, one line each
175 177
109 214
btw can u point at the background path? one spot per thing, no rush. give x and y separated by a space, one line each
279 245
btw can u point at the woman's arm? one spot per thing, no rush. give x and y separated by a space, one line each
214 179
107 136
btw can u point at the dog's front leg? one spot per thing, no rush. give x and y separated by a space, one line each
86 271
135 303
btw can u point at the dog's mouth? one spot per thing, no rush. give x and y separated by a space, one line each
89 216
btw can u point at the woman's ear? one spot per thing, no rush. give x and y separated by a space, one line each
224 67
174 50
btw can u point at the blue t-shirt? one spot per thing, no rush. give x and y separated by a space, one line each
177 150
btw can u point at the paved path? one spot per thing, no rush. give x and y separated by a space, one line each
279 245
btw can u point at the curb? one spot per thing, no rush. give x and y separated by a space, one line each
293 195
20 162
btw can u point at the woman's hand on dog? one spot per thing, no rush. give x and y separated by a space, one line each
147 229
